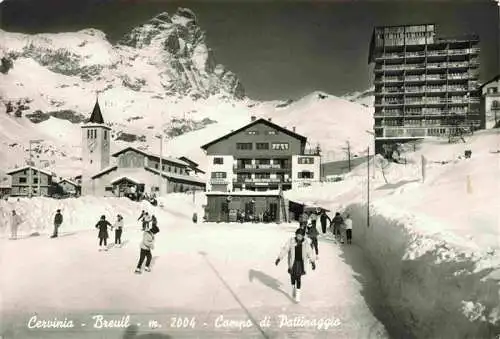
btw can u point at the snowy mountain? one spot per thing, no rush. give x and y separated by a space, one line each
365 98
161 77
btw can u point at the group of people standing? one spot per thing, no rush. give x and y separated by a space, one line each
149 225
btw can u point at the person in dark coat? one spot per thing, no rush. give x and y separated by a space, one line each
103 236
312 233
298 250
337 222
323 219
58 220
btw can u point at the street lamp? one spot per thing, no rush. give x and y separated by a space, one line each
33 141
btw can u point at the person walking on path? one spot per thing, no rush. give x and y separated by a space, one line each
303 220
147 245
58 220
312 218
15 220
103 225
337 221
323 219
348 228
299 252
118 229
312 233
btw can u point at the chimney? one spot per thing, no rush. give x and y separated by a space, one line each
293 129
253 118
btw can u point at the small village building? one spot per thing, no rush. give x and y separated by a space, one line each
134 172
490 101
69 187
30 181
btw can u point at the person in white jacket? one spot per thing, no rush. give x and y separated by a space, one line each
118 229
147 245
348 228
15 220
299 252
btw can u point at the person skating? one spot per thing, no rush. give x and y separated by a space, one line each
58 220
323 220
15 220
312 233
142 219
299 252
348 228
147 245
337 221
103 225
118 229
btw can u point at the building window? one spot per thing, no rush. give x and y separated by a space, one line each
22 180
88 134
280 146
218 175
156 166
163 167
306 160
108 189
262 145
105 135
492 90
305 175
252 132
218 161
244 145
272 132
35 180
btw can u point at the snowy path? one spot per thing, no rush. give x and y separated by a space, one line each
201 271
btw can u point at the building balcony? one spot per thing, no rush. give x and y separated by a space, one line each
405 132
261 168
464 64
218 181
388 103
258 180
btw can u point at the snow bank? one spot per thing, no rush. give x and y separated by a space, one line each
37 214
434 290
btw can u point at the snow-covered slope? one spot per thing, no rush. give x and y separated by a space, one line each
435 244
365 98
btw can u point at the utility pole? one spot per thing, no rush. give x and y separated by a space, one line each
368 191
161 166
348 150
30 178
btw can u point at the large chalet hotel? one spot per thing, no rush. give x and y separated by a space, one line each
251 166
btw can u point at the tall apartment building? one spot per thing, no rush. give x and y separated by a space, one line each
425 85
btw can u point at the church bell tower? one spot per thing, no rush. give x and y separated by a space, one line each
96 139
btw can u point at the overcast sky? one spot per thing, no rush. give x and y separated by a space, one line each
279 49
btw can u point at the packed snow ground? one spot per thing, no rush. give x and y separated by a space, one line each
200 271
435 245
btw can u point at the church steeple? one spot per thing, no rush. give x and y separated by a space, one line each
96 116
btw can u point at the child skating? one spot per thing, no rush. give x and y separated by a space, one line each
118 230
299 252
147 246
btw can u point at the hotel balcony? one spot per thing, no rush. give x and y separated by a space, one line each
218 181
259 180
261 168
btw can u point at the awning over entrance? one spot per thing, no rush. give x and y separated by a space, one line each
124 179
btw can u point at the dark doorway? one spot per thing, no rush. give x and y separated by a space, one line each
273 210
